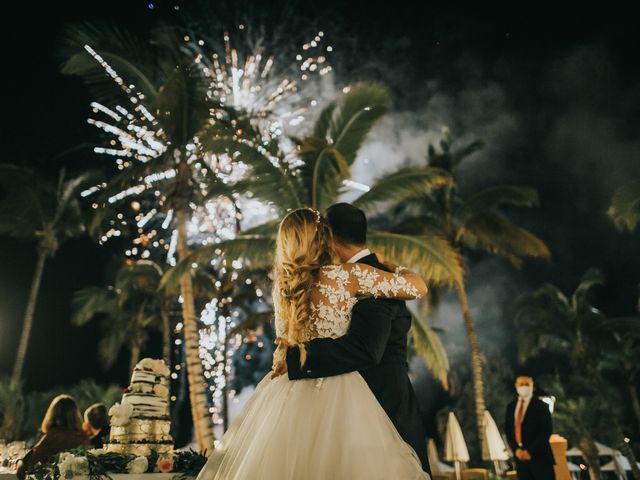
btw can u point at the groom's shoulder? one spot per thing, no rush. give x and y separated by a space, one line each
372 261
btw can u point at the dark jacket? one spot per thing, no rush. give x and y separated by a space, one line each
100 438
53 442
375 346
536 430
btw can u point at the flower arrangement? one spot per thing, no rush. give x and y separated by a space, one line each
120 413
97 464
156 366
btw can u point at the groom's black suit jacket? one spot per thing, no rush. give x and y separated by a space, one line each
536 430
375 346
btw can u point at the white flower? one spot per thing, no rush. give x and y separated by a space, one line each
160 390
65 465
81 466
160 368
70 466
145 364
156 366
138 465
120 413
96 452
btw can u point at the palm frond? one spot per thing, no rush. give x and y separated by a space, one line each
110 344
252 321
429 348
269 179
90 301
498 235
433 257
131 57
403 185
625 206
256 250
327 158
323 123
591 278
493 197
458 155
181 104
357 113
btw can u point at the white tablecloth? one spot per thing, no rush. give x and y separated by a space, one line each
10 475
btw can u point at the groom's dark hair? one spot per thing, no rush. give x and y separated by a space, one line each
348 223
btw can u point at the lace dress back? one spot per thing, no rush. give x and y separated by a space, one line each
337 291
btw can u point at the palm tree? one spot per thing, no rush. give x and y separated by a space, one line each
130 308
34 209
625 206
172 89
459 223
590 347
313 175
550 322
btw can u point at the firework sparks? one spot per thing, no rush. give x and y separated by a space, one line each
250 83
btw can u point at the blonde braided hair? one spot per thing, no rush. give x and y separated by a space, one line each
303 246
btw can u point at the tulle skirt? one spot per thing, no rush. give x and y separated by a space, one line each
327 429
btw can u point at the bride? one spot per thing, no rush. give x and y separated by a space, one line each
331 428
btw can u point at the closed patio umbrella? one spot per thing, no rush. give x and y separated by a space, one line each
455 448
493 447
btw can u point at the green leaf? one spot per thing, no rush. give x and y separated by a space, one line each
493 197
429 348
432 256
498 235
625 206
408 183
89 302
256 250
357 113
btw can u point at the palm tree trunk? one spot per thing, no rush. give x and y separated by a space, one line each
27 324
476 359
628 452
135 354
635 404
166 334
202 423
590 452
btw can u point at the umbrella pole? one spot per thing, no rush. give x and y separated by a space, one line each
496 467
457 466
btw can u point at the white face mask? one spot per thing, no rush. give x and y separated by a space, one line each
524 390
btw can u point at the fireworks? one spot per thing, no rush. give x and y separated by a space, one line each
142 211
251 85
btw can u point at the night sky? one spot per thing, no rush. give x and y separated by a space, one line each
556 96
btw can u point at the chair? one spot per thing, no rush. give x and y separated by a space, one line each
475 474
444 476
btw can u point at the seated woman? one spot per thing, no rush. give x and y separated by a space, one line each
62 428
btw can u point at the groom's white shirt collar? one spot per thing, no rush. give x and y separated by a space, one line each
361 254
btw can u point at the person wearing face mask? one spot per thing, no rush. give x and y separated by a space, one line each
528 428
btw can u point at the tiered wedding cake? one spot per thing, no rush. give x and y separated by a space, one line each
140 423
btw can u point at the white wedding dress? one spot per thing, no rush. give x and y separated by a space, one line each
326 429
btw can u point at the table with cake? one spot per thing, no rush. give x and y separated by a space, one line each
140 445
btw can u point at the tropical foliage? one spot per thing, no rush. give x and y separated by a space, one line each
589 355
34 209
455 224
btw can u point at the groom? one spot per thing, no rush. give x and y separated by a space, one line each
376 343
